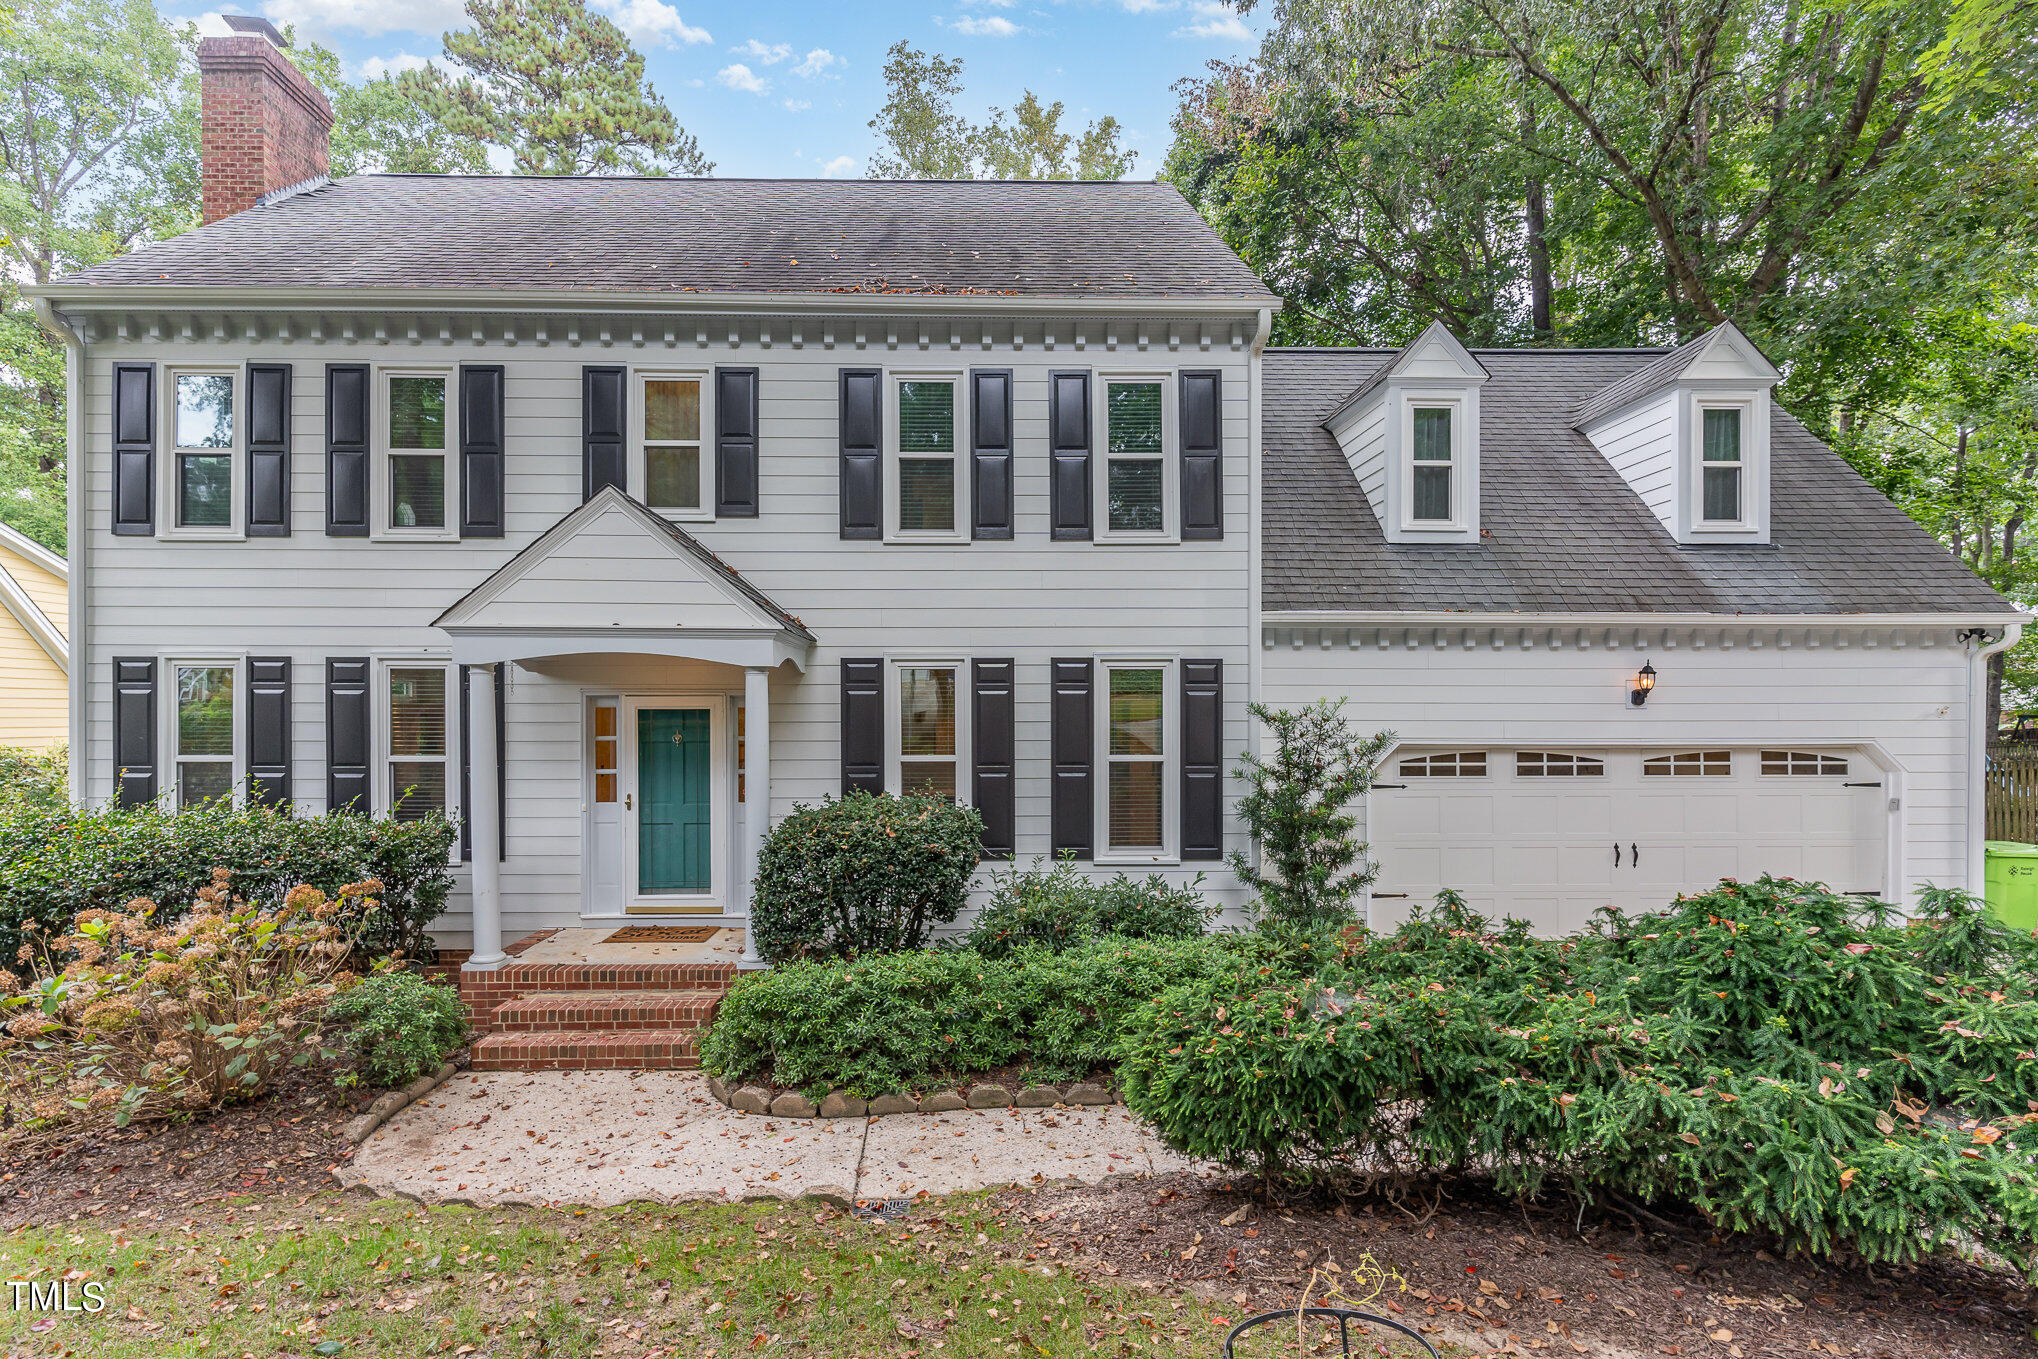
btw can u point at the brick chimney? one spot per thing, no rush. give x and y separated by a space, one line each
263 124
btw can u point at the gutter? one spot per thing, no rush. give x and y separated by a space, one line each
74 530
1377 617
1980 648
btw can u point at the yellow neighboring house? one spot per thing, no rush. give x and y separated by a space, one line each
35 658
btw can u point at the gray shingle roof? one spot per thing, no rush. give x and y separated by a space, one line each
1561 532
1649 378
667 236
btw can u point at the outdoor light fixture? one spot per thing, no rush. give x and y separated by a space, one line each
1645 680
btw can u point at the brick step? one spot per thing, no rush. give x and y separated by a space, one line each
518 979
609 1050
597 1011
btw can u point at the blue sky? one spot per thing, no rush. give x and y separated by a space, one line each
786 87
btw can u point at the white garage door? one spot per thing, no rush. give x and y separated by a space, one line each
1552 834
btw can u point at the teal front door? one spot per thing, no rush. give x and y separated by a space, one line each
675 812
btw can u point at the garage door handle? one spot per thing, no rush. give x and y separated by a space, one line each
1876 784
1387 785
1616 854
1390 896
1634 855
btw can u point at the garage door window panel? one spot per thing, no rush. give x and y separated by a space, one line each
1536 764
1450 764
1799 763
1690 764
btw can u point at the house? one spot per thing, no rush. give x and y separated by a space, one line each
35 657
618 516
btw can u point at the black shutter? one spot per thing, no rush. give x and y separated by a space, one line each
346 450
1202 759
990 452
134 449
134 730
467 771
863 463
347 735
1072 717
863 726
268 450
481 456
604 411
991 747
1202 455
1068 454
269 729
736 443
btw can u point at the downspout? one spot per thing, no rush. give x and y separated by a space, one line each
75 626
1255 557
1979 649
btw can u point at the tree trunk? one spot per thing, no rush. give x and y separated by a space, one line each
1536 211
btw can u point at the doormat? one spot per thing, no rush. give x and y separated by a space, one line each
664 934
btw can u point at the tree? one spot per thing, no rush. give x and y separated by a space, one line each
378 127
558 87
98 152
925 138
1298 808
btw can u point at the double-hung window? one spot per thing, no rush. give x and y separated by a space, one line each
1431 495
1138 467
416 473
202 729
932 720
1138 754
202 492
926 466
417 773
671 461
1721 465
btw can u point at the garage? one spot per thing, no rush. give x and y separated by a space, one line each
1551 834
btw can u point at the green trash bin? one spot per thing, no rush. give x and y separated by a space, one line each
2012 883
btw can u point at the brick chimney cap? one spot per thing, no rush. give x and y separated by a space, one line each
248 23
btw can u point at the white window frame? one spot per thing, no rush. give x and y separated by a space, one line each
168 478
1744 468
167 721
895 725
385 760
1170 850
1460 418
1170 530
640 462
894 484
380 499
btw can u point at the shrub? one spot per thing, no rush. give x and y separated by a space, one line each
1055 908
1297 806
34 778
1759 1053
868 873
58 861
398 1026
150 1020
906 1021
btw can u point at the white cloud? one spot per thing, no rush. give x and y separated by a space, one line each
1007 4
840 167
1217 23
798 105
769 56
1146 6
741 77
652 23
371 17
817 62
374 68
994 26
211 25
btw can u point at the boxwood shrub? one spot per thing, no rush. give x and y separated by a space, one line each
1059 906
58 861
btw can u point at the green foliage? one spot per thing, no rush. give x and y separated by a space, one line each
925 138
1056 908
920 1019
378 127
398 1026
1298 808
867 873
559 87
58 861
32 777
1759 1052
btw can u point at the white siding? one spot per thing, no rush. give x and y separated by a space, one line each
1365 448
1641 443
1910 703
311 596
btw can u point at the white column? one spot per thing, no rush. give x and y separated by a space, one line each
757 785
484 822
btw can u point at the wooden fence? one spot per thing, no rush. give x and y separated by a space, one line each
2012 785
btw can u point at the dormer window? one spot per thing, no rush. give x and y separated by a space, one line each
1721 493
1430 465
1411 436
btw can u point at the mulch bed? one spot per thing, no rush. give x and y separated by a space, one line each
1488 1275
282 1144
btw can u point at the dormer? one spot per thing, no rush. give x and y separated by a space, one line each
1690 433
1411 435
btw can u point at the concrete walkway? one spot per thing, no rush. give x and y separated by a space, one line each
607 1137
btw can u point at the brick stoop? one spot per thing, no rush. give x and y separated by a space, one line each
592 1016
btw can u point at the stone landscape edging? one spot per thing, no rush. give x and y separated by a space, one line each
391 1101
756 1099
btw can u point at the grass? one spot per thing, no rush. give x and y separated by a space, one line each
338 1276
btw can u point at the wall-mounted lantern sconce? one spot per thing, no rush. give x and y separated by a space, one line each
1645 680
